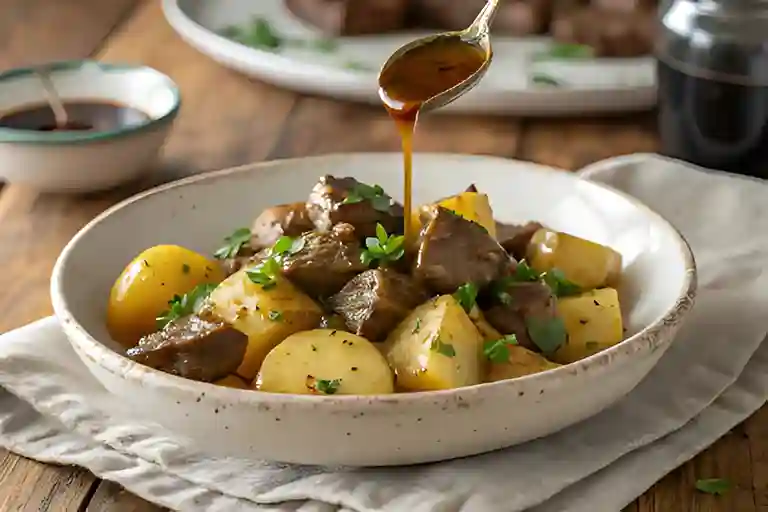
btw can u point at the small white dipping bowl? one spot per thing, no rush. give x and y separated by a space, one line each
85 161
657 291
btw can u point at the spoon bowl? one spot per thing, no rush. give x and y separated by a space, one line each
477 34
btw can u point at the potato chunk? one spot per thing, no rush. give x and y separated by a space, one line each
142 291
436 347
232 381
521 362
326 361
586 264
472 206
266 314
593 322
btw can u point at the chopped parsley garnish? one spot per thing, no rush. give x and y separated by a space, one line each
548 333
327 387
275 316
183 305
466 296
497 351
265 273
715 486
383 247
374 194
233 243
542 79
259 33
286 245
592 346
554 278
566 51
357 66
416 326
561 286
439 346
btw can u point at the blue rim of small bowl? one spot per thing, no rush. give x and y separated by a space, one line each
66 137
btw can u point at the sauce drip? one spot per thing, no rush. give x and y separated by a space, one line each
415 77
82 115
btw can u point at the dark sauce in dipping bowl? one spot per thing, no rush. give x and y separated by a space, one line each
117 119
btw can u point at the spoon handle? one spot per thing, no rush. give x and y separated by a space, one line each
482 24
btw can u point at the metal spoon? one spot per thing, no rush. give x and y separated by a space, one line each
478 33
54 100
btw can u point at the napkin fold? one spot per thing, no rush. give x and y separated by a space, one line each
713 377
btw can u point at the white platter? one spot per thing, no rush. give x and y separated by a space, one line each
585 86
657 291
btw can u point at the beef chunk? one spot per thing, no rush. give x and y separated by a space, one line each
325 262
334 200
282 220
351 17
374 302
454 251
518 302
514 238
514 17
193 348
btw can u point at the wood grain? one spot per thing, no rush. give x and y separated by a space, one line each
228 120
31 32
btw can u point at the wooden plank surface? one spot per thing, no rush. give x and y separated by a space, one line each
228 120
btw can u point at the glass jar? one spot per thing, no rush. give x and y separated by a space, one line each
712 58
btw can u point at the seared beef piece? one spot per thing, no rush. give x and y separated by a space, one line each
514 17
193 348
351 17
454 251
282 220
611 33
374 302
514 238
508 313
326 207
326 261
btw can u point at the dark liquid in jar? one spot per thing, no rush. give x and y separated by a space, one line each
713 120
415 77
82 116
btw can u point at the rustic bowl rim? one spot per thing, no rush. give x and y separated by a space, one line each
73 137
650 338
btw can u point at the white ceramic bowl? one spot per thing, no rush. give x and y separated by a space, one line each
85 161
657 292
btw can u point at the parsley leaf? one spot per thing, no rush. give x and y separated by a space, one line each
497 351
357 66
384 248
327 387
286 246
466 296
233 243
265 273
523 273
439 346
275 316
183 305
542 79
566 51
257 34
561 286
374 194
548 334
716 486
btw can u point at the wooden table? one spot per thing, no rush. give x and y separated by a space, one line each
228 120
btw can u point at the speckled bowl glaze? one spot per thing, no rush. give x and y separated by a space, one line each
86 161
657 292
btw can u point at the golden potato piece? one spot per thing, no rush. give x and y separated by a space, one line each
586 264
232 381
436 347
266 314
521 362
142 291
593 322
472 206
326 361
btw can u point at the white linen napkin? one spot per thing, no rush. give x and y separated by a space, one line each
713 377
